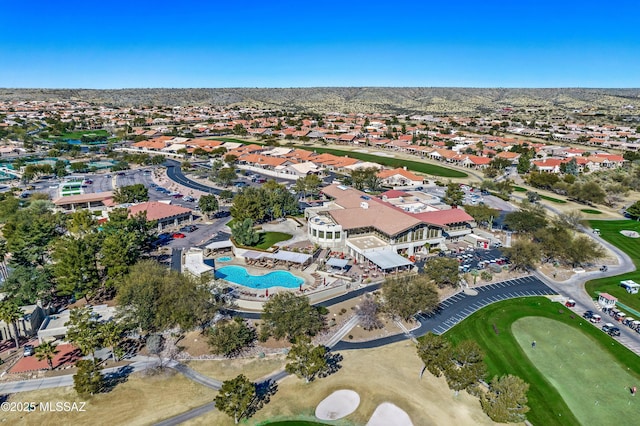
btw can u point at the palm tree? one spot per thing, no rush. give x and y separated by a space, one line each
10 313
46 351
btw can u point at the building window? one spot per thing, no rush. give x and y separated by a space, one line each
329 235
315 233
320 234
336 235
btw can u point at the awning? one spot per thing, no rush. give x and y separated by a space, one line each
387 259
337 263
219 245
290 256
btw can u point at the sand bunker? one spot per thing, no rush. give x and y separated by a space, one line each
630 234
389 414
338 405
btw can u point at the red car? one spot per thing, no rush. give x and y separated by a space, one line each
178 235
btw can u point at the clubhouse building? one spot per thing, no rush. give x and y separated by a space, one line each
383 229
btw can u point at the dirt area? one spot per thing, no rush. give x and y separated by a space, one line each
396 379
254 368
141 400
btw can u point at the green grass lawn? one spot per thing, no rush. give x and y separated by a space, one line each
553 200
79 133
573 364
519 189
267 239
591 211
505 356
610 231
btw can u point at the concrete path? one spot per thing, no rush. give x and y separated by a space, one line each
343 331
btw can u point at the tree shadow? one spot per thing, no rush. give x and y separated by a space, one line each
333 364
264 391
113 379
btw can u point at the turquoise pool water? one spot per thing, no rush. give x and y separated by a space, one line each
239 275
224 259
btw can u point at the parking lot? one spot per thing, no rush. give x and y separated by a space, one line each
459 306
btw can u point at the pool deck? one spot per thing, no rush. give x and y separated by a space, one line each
252 299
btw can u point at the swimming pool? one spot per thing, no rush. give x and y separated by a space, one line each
224 259
239 275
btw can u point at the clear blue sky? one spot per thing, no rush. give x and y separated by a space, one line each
125 44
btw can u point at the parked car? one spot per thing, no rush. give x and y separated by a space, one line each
570 303
88 182
29 350
189 198
178 235
587 314
608 326
221 213
595 318
614 331
188 228
177 195
121 174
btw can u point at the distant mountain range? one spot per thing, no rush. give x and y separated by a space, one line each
397 100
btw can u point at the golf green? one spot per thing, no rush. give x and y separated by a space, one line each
590 380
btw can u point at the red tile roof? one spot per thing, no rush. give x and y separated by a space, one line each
157 211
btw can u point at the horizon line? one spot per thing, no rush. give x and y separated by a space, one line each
329 87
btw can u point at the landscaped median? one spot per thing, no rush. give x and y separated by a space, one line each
610 231
574 343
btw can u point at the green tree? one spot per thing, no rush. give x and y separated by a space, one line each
524 164
405 297
11 313
288 315
582 249
453 196
235 398
467 368
226 195
60 168
482 214
152 299
226 176
27 284
244 233
525 221
231 338
443 271
83 330
208 204
306 360
506 400
48 351
239 129
634 210
312 183
436 353
230 159
75 269
131 194
533 196
523 254
88 379
112 335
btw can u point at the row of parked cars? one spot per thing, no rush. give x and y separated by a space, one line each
608 328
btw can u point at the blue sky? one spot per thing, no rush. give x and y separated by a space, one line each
125 44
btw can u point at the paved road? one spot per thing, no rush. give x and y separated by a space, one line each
175 174
458 307
67 380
